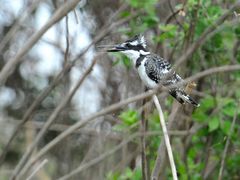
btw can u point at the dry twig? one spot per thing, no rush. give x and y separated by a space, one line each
37 169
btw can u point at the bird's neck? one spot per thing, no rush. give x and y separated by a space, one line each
135 55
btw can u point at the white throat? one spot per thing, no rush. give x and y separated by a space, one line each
134 55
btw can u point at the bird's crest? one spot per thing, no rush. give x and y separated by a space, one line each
138 40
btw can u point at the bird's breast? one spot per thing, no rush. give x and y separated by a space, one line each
144 76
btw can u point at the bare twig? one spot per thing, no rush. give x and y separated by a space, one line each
174 14
76 16
166 139
220 175
66 54
37 169
90 131
11 63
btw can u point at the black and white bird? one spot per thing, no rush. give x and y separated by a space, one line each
152 69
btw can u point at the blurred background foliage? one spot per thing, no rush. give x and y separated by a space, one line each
171 27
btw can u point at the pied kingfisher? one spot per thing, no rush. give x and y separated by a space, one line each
152 69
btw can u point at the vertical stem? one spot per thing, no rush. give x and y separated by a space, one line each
166 138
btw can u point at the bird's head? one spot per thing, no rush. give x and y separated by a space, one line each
133 48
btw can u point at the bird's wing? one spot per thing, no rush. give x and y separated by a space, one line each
157 68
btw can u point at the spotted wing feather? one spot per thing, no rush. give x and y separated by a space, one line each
157 68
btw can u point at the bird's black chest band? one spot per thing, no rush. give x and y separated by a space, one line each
139 60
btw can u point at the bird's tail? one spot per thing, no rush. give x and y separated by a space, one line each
183 97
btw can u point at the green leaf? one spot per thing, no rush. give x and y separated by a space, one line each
207 103
119 127
151 20
112 176
126 62
127 174
213 124
116 62
125 14
237 31
137 175
129 117
121 58
200 116
229 109
226 126
168 27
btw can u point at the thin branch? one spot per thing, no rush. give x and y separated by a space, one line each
11 64
76 16
66 54
114 107
174 15
37 169
89 131
166 140
220 175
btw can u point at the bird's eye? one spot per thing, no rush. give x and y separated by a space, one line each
128 45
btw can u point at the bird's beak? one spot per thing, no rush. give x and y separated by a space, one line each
116 48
